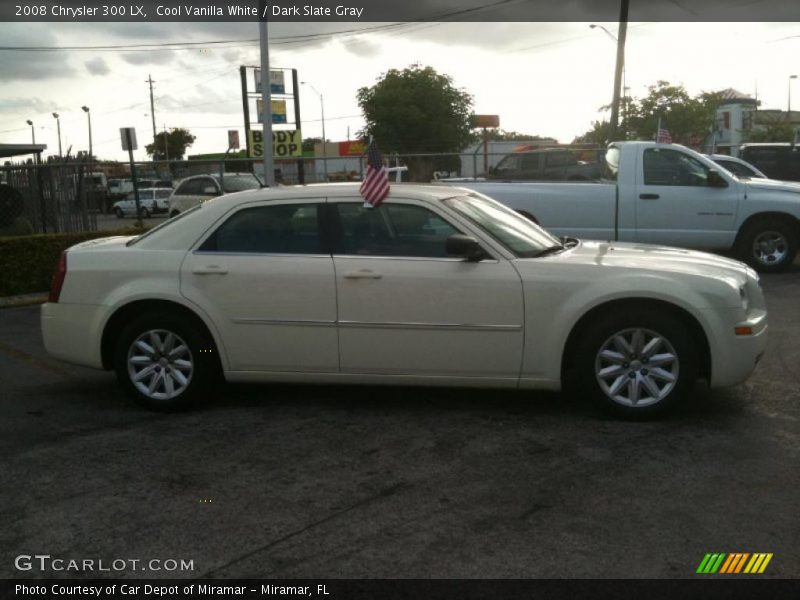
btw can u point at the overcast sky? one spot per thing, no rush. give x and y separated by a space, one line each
541 78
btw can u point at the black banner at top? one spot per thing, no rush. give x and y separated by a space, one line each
154 11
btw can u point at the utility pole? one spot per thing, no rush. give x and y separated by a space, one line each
152 113
622 34
266 99
166 144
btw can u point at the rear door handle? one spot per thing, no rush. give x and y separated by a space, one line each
210 270
363 274
649 196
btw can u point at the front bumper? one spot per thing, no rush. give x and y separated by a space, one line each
734 357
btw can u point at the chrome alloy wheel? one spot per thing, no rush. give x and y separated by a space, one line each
636 367
770 247
160 364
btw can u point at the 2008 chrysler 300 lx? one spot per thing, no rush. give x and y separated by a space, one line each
437 286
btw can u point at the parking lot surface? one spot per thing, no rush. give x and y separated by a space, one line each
302 481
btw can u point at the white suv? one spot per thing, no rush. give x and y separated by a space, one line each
199 188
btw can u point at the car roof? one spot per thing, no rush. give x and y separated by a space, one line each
341 190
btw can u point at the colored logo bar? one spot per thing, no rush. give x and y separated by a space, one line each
734 563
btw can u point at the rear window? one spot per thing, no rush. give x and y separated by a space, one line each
239 183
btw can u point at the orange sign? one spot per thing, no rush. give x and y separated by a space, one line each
355 148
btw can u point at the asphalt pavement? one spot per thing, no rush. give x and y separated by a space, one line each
329 482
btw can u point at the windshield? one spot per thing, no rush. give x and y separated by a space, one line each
238 183
520 235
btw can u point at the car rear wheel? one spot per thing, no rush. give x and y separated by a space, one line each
638 363
768 245
119 213
145 214
164 361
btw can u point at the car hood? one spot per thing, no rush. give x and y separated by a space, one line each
773 185
652 258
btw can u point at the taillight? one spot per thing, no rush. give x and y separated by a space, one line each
58 279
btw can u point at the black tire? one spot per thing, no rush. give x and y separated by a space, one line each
768 245
186 384
144 213
174 213
119 213
599 352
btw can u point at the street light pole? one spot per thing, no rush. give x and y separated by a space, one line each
58 127
324 139
624 83
789 100
89 117
33 133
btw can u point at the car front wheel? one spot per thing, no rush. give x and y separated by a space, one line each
637 363
164 361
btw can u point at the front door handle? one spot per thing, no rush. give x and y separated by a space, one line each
363 274
649 196
210 270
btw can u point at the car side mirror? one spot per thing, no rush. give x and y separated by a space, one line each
466 247
210 191
715 179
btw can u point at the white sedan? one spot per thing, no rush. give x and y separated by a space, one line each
438 286
151 201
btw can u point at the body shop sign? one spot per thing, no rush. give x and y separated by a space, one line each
285 144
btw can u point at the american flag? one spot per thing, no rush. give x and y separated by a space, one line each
663 136
375 186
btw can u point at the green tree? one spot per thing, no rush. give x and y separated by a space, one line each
416 111
687 118
170 145
598 134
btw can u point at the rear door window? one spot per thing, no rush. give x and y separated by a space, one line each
281 229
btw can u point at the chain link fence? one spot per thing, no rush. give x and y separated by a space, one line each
59 197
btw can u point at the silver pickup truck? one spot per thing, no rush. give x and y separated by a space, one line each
664 194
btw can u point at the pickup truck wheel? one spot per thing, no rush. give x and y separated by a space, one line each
144 213
119 213
768 245
640 363
164 361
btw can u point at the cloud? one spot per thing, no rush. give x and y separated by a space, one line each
27 65
157 57
97 66
28 105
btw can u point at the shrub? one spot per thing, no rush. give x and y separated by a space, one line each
28 262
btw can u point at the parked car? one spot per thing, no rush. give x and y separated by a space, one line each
196 189
778 161
152 201
737 166
437 286
546 164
